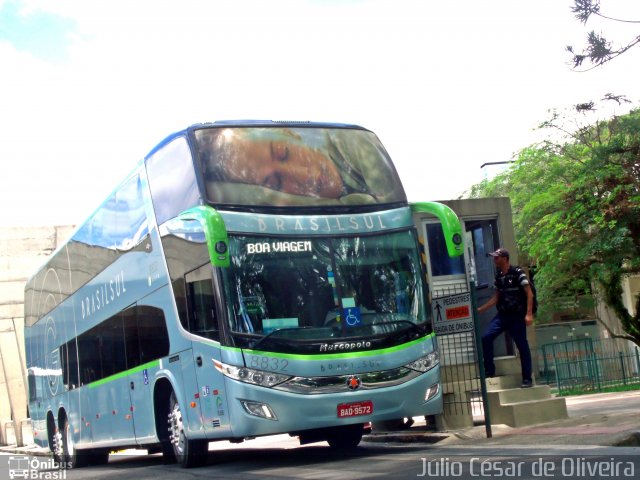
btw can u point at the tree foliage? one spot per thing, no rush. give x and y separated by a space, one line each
598 49
576 204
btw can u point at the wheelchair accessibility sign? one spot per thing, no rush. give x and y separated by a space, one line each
352 316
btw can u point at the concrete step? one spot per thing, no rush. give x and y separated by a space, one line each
515 395
507 365
531 412
504 382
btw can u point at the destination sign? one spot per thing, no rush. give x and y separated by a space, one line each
279 247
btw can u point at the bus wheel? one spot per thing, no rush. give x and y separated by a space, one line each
188 453
71 457
55 439
345 437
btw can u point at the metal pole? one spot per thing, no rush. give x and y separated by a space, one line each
595 363
624 374
555 364
483 384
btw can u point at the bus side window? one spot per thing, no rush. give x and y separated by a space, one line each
131 339
180 293
69 358
33 385
201 301
112 346
89 357
172 180
152 333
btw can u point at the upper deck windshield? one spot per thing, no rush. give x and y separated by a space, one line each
288 166
290 294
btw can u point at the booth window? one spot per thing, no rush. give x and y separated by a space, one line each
441 263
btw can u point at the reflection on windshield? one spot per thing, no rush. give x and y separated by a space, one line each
275 166
317 289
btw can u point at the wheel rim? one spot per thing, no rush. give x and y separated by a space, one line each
57 443
68 444
176 428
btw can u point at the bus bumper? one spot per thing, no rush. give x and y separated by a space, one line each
256 411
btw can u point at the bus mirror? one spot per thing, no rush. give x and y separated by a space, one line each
450 224
215 232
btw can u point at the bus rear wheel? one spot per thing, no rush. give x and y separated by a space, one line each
72 458
345 437
188 453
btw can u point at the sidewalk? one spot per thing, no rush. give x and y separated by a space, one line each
585 426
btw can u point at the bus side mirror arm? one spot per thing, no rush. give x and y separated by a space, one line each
450 224
215 232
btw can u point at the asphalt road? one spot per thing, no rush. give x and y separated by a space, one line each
281 457
379 461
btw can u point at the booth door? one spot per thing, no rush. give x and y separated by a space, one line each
484 239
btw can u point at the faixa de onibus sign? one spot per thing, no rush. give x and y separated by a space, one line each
452 314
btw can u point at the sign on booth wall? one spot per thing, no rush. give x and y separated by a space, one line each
452 314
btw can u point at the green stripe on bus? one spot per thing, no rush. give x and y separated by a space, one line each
116 376
336 356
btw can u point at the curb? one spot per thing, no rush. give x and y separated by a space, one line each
29 450
408 437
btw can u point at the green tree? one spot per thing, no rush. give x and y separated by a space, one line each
576 204
598 50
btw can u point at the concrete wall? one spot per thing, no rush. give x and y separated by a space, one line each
22 251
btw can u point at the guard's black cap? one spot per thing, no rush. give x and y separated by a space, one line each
501 252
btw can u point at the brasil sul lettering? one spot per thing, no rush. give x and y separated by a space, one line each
322 224
103 295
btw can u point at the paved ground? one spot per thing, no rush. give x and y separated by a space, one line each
606 419
611 419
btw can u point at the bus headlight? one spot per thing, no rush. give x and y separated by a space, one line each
425 363
249 375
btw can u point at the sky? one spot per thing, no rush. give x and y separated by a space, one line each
88 88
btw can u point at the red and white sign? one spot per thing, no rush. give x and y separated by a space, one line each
452 314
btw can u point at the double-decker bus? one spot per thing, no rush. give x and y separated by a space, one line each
247 278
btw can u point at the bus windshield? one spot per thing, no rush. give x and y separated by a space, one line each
278 166
320 289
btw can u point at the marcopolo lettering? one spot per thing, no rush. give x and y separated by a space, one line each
348 346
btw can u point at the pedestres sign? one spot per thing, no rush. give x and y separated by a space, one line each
452 314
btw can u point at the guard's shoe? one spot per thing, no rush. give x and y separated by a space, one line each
527 384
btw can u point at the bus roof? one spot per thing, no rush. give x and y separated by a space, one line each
252 123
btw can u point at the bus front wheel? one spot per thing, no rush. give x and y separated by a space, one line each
188 453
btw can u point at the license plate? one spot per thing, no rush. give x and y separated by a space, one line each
355 409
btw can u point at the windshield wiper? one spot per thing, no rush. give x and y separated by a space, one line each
271 335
